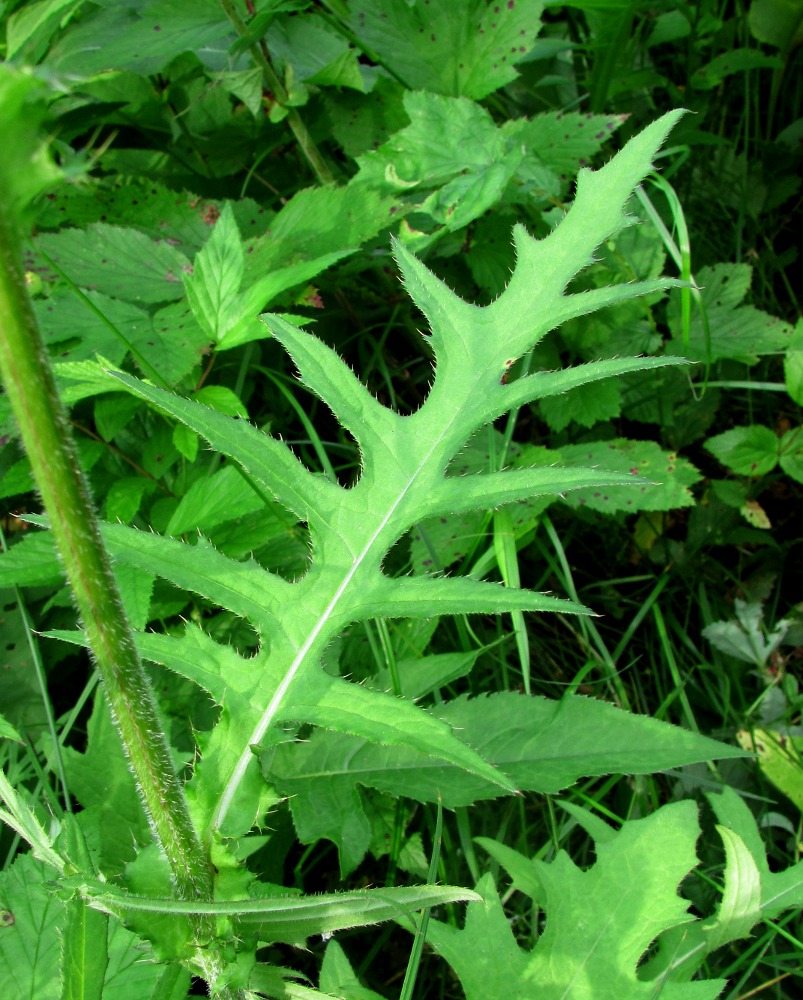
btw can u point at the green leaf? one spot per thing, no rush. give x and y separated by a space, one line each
748 451
403 478
213 283
290 919
562 141
144 37
540 744
84 952
36 22
791 453
26 168
589 405
30 917
598 924
739 910
734 330
777 22
664 477
100 779
465 48
734 61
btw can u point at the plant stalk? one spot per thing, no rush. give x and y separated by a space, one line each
45 431
275 86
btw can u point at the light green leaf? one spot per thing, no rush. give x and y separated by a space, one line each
36 22
791 453
121 263
284 918
403 477
463 48
665 476
734 330
541 745
8 732
84 952
749 451
598 924
339 979
739 910
29 931
213 283
26 169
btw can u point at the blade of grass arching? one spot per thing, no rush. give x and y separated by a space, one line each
681 255
422 921
307 424
508 561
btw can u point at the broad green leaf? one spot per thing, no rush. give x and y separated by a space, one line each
31 562
749 451
121 263
791 453
465 48
8 732
144 37
338 978
35 23
452 145
223 496
777 22
20 687
84 952
30 919
589 405
540 744
598 923
734 330
736 60
665 477
315 53
562 141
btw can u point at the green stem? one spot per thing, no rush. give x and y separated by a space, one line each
275 86
45 431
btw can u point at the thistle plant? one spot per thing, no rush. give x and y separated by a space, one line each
188 893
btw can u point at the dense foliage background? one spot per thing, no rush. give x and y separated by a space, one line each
313 131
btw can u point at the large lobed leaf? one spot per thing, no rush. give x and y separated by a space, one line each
599 921
403 480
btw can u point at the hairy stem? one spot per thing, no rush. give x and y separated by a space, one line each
45 431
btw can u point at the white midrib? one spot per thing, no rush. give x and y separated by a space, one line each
268 716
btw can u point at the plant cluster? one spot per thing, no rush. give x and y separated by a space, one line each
402 429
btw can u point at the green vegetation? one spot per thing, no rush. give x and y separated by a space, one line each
402 460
